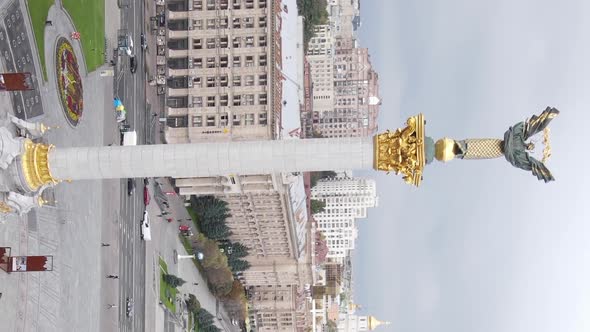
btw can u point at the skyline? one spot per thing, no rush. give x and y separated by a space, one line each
477 257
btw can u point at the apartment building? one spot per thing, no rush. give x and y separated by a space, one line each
221 70
346 200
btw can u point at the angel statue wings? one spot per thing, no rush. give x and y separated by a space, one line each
516 147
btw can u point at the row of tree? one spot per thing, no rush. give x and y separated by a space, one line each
212 214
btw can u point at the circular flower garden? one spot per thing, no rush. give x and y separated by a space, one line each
69 82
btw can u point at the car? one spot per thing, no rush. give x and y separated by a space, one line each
146 196
146 233
129 310
234 322
143 42
132 64
130 187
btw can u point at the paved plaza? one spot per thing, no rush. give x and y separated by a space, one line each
82 215
70 297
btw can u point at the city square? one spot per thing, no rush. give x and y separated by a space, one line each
187 165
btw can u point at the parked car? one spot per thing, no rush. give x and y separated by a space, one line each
146 232
132 64
130 187
146 196
143 42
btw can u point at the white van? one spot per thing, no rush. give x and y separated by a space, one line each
146 232
129 138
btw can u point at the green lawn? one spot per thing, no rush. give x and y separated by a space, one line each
38 10
88 17
166 292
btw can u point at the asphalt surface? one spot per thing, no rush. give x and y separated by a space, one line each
130 88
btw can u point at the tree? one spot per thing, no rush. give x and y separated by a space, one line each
238 265
204 318
317 206
235 250
173 280
192 304
314 177
332 326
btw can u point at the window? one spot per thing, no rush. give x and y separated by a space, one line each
249 61
262 4
223 119
249 4
223 22
197 44
249 120
210 43
198 62
223 61
211 23
249 80
211 62
237 100
223 4
236 42
237 80
211 81
248 99
248 22
223 100
223 42
262 60
198 4
210 4
236 4
262 79
236 23
197 82
262 99
197 101
262 41
211 101
262 119
210 120
249 41
198 24
236 120
237 61
262 22
197 121
223 80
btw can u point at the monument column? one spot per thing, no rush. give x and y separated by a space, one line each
210 159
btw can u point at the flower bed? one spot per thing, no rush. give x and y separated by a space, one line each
69 82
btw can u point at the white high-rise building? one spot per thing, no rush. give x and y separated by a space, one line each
346 199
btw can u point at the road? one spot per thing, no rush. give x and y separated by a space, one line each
130 88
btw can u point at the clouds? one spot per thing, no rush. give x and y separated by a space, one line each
482 246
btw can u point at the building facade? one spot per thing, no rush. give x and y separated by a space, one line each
346 199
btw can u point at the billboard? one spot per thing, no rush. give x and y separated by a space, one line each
15 81
30 263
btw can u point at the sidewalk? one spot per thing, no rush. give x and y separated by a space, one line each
163 244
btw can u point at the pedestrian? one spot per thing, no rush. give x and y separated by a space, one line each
196 283
112 306
111 276
105 244
179 220
48 23
165 213
154 114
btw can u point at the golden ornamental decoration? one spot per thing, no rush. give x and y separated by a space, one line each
402 151
35 165
5 208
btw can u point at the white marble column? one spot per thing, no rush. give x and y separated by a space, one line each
211 159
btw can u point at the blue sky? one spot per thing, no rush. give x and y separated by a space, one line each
480 246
